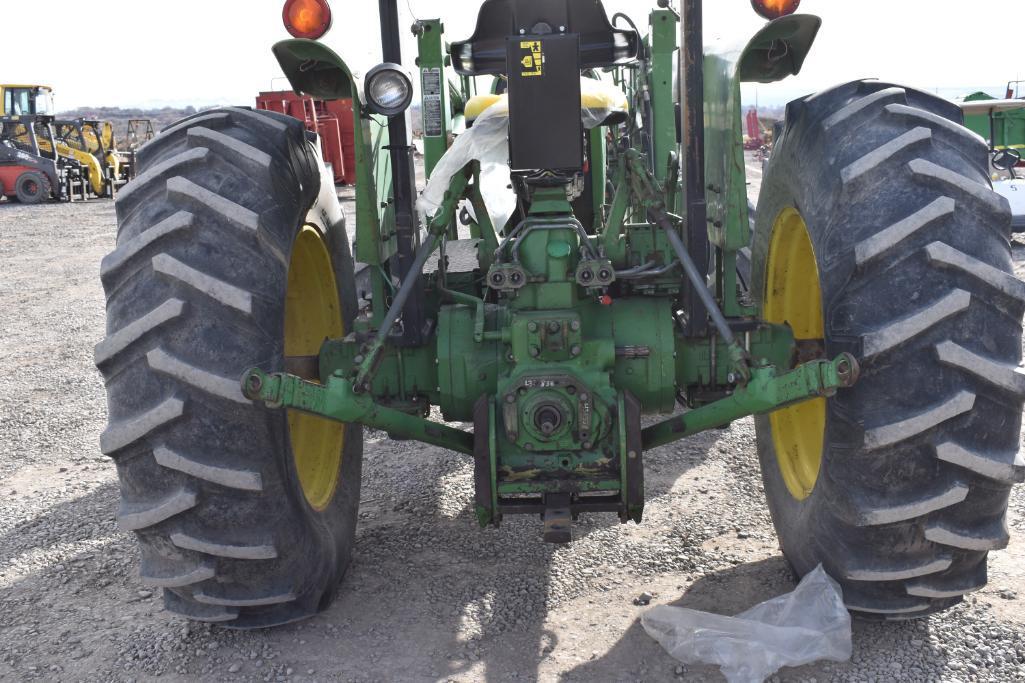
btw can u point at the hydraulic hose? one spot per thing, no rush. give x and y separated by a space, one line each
661 218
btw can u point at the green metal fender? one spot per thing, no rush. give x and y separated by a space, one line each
316 70
776 51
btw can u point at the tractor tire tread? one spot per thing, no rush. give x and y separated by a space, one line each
195 291
915 262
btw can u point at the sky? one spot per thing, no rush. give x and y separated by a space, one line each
206 52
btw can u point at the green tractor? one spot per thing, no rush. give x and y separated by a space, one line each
570 268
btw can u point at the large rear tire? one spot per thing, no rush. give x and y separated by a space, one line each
244 515
878 233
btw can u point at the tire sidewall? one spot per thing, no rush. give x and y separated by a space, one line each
803 174
794 518
335 523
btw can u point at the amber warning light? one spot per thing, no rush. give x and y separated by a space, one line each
774 9
307 18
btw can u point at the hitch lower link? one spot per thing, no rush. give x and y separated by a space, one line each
337 400
765 391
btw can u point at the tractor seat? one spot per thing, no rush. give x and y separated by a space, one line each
597 98
601 45
478 104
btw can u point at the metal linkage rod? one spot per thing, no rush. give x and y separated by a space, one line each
766 391
409 284
698 284
403 186
337 400
692 125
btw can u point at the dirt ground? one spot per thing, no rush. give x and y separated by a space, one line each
430 597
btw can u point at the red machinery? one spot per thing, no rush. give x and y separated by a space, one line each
754 138
332 121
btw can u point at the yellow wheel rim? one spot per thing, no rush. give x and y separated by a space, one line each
313 313
793 295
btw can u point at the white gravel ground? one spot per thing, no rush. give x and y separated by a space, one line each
429 596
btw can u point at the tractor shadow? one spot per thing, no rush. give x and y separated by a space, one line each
733 590
69 571
429 595
432 595
77 521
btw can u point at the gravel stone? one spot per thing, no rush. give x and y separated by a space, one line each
427 588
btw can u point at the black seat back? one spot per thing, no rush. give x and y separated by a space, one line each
601 45
542 46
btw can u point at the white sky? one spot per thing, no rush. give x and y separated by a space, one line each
203 52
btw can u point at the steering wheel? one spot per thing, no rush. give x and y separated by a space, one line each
1006 159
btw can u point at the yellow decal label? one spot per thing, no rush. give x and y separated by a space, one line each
533 59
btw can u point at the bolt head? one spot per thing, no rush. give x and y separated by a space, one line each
532 326
575 350
575 325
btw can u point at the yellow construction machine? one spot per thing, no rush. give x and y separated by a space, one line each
95 138
35 100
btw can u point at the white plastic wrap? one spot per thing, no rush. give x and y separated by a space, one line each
806 625
487 142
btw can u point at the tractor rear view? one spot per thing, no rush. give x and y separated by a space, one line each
570 267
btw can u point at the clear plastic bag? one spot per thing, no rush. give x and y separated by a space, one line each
806 625
487 142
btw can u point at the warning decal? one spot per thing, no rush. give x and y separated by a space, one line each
533 60
432 114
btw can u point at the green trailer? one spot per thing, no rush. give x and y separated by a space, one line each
1002 122
563 298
